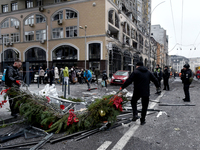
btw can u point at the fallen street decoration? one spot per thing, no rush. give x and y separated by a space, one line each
41 112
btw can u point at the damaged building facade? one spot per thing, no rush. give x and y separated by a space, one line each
114 34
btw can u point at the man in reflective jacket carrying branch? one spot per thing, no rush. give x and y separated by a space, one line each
141 78
12 79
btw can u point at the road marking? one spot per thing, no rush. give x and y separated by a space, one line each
105 145
126 137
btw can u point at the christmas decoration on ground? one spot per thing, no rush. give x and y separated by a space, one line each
41 112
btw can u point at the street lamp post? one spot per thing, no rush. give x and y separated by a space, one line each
85 43
150 34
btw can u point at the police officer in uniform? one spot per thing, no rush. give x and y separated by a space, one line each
141 77
186 78
166 76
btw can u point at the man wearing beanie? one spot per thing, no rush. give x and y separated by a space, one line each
186 80
141 78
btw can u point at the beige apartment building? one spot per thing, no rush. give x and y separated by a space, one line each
47 33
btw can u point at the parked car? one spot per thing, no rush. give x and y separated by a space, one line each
120 77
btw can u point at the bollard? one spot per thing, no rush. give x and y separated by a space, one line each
65 91
68 88
38 81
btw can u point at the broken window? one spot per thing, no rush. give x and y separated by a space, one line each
14 37
64 52
29 20
71 31
29 36
58 16
57 33
14 22
5 24
70 14
35 54
128 29
40 35
110 16
10 55
116 20
94 51
40 19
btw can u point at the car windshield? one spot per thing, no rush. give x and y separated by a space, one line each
121 73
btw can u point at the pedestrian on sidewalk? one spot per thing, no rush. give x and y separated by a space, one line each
51 75
66 75
56 75
158 75
41 75
12 80
97 73
105 78
141 78
166 76
186 78
61 76
88 78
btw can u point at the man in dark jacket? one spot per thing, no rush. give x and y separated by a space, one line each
186 78
12 80
166 76
141 78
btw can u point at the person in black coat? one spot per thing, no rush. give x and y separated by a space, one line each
166 76
12 79
51 75
105 78
186 78
141 78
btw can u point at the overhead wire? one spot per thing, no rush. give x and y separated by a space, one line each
173 20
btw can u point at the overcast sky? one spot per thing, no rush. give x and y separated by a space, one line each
184 33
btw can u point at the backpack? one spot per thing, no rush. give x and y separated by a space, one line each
4 74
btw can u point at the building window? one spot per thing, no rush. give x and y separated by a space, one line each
35 54
14 37
5 38
71 31
58 16
29 36
70 14
40 35
39 3
4 8
40 19
110 15
14 6
57 33
65 52
57 1
29 3
30 20
94 51
14 22
5 24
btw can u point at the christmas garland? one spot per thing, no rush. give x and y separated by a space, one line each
40 112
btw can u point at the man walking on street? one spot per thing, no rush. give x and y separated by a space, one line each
186 80
158 75
166 76
12 80
141 78
88 78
